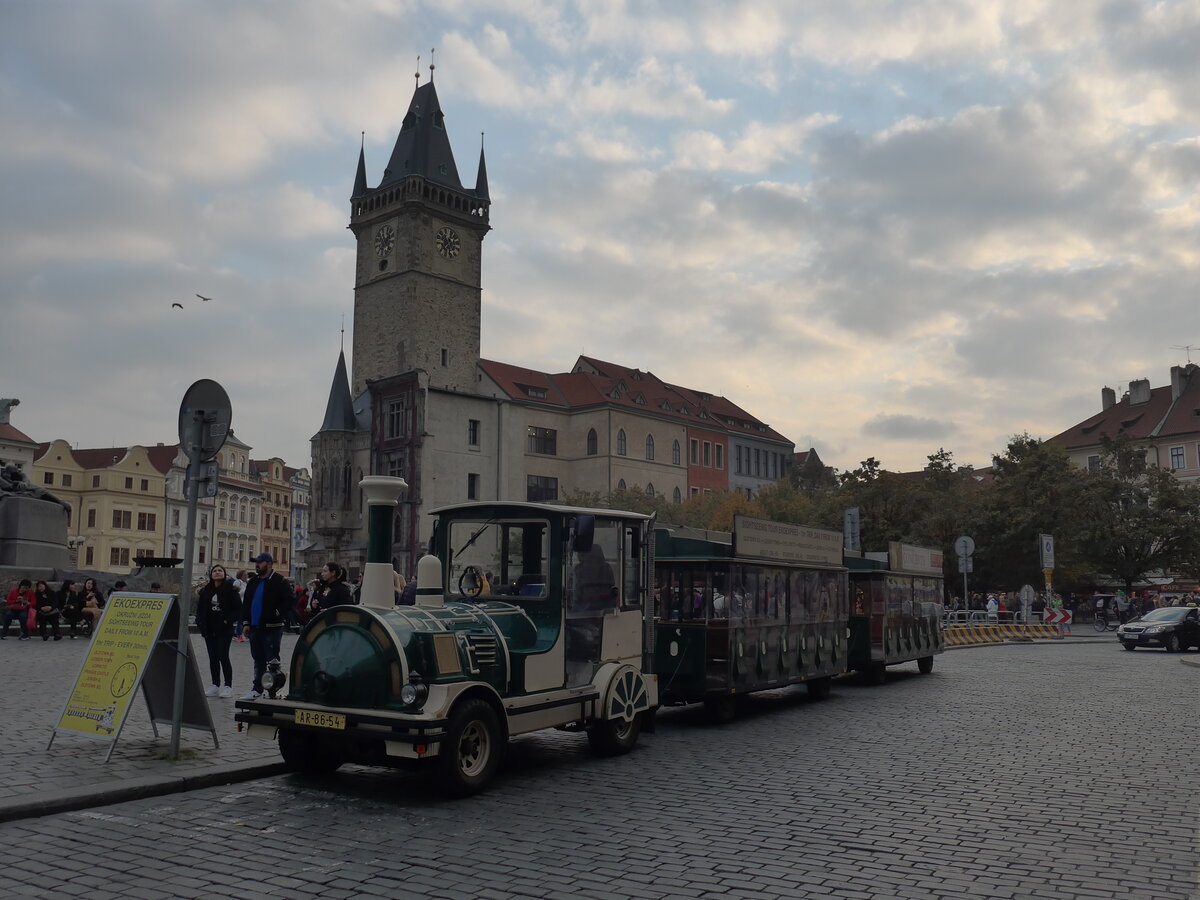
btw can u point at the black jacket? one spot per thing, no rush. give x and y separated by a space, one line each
335 593
277 600
214 622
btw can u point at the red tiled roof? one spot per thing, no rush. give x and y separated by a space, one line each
14 435
1139 420
103 457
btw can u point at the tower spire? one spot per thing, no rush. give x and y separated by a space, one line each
417 74
360 177
481 185
431 65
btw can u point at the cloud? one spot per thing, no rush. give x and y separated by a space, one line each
900 426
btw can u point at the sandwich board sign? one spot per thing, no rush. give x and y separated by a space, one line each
131 648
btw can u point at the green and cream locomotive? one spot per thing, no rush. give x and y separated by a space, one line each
527 616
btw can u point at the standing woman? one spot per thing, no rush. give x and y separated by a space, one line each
70 603
333 590
216 611
93 603
46 602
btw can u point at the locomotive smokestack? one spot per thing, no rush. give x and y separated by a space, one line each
382 493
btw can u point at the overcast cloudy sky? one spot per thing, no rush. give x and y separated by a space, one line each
883 227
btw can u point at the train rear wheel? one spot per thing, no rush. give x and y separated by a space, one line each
307 753
925 665
876 673
614 737
471 749
818 688
721 709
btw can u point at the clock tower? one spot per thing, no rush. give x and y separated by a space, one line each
417 276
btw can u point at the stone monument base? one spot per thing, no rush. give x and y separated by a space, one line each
33 533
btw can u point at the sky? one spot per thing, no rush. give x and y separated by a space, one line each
884 227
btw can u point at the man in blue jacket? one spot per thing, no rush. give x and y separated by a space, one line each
264 611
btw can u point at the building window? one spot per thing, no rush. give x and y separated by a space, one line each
203 523
708 454
145 486
472 486
174 518
757 463
91 517
445 357
66 481
621 485
122 518
147 522
473 432
174 554
675 453
118 556
47 478
649 488
95 481
220 549
1093 462
720 449
621 444
200 558
536 393
1176 458
89 557
677 497
396 467
543 440
541 489
592 442
129 484
649 446
694 452
221 511
397 419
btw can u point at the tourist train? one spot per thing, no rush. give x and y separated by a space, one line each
531 616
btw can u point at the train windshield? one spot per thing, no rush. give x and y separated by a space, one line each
498 557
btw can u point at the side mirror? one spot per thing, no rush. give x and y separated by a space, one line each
583 533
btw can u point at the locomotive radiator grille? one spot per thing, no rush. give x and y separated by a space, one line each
483 649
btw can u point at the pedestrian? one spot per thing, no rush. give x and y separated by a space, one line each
70 604
46 602
216 611
332 590
408 596
239 582
356 594
1122 607
19 601
993 608
397 587
264 609
93 603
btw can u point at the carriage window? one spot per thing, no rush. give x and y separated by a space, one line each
512 556
596 576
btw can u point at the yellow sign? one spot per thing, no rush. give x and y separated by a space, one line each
121 647
762 539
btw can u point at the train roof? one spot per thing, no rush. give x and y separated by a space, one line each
519 506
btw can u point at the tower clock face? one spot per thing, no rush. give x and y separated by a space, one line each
385 240
448 242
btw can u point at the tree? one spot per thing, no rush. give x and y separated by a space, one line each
1141 518
887 503
812 478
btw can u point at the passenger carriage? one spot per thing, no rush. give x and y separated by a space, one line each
758 609
896 610
528 616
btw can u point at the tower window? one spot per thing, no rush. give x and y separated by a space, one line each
382 264
445 357
621 445
543 440
473 432
592 442
472 486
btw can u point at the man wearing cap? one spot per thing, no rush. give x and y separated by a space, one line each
264 609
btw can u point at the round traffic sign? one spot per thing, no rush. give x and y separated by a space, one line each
207 406
964 546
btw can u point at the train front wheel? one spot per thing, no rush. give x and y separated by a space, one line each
471 749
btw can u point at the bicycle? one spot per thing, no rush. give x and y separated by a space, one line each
1106 621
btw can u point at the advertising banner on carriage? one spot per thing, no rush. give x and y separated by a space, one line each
918 560
763 539
116 660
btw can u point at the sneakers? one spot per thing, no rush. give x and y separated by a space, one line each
240 639
212 691
226 691
251 695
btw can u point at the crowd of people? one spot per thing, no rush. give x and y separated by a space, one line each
254 608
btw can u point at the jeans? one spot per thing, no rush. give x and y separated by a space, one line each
20 616
264 647
218 656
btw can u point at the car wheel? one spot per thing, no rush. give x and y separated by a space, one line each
1128 645
925 665
308 753
1172 643
471 749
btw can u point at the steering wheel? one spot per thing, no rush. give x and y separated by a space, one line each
475 588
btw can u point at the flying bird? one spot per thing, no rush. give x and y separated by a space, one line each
202 297
180 305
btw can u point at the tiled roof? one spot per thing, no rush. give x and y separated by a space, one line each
14 435
104 457
1141 420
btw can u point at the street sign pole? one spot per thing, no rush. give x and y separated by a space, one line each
184 645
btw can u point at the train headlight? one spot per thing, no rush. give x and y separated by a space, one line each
273 678
415 692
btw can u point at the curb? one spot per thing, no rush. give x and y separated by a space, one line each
72 799
1195 664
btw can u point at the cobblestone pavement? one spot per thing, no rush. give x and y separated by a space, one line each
1052 771
38 677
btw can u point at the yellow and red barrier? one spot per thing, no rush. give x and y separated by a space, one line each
964 635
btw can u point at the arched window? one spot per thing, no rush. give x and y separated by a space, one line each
649 446
649 488
677 497
591 442
621 442
675 455
621 485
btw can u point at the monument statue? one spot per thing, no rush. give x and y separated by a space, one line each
14 483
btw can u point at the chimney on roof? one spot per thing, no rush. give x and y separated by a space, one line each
1179 377
1108 398
1139 391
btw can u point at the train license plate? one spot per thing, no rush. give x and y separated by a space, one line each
320 719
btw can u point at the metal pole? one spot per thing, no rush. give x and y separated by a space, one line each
966 604
183 602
